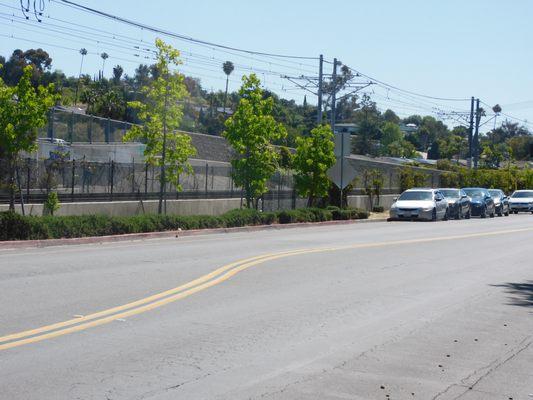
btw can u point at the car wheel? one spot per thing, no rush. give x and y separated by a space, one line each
434 215
516 212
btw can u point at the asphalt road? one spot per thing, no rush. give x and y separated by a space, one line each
364 311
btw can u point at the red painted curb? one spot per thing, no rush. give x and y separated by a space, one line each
17 244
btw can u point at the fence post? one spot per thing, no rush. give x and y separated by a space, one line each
73 180
145 180
71 127
231 181
293 200
133 175
90 130
28 178
107 130
279 187
51 124
206 177
112 177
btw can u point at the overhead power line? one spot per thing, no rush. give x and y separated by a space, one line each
406 91
173 34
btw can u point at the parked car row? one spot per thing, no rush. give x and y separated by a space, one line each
445 203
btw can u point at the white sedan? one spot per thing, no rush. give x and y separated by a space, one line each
521 200
420 204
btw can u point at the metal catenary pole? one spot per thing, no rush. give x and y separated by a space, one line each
320 78
471 132
476 134
332 120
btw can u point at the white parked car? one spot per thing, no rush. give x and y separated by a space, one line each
420 204
521 200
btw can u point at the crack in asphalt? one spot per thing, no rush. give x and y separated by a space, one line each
493 366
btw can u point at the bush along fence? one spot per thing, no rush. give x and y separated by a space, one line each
17 227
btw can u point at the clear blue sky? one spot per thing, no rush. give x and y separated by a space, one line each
446 48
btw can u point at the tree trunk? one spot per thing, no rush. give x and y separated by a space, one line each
226 94
11 182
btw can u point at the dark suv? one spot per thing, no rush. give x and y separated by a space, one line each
501 201
481 202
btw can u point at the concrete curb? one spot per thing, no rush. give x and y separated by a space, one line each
20 244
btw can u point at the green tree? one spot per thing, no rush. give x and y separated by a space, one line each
161 115
390 133
23 109
372 186
314 157
117 73
251 130
434 151
390 116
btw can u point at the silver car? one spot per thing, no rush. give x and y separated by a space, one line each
420 204
521 200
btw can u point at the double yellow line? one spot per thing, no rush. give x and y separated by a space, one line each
202 283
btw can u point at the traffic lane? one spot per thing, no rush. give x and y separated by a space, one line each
44 286
271 324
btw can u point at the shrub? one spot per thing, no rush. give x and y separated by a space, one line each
350 213
378 209
51 204
17 227
14 226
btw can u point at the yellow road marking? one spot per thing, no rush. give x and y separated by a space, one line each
204 282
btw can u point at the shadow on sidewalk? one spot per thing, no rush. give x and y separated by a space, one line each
521 294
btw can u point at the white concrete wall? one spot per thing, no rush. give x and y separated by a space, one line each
362 201
176 207
125 208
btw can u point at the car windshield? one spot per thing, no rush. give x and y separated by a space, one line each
474 192
495 193
522 195
451 193
415 195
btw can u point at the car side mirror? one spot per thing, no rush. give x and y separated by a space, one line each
395 199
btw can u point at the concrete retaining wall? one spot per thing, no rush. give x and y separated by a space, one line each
126 208
385 200
178 207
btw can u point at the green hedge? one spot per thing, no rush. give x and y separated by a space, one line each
17 227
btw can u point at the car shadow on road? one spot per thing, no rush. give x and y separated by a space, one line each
520 294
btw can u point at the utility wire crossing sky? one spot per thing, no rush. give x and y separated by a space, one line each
421 57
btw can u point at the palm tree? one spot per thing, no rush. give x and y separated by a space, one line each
228 68
83 53
497 109
104 56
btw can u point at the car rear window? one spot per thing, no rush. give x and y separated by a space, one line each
415 195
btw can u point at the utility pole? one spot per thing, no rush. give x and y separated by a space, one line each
320 79
476 135
332 120
470 132
334 95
